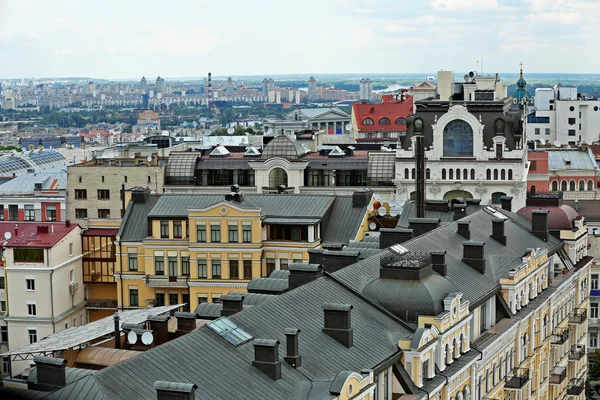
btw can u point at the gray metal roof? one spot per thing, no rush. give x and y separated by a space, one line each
268 285
51 179
343 222
360 164
134 227
557 160
290 221
408 211
223 163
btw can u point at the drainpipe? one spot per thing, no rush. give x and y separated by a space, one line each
121 273
52 300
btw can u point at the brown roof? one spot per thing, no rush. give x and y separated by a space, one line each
561 218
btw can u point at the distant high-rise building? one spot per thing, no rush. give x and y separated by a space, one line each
268 84
144 85
366 89
160 85
312 88
229 86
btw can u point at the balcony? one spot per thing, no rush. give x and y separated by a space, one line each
578 316
558 375
167 281
594 322
576 353
560 336
575 387
517 378
102 303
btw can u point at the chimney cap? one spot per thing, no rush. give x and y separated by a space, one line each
175 387
233 297
157 318
498 220
438 253
337 307
473 243
59 362
291 331
505 198
305 267
185 315
265 342
540 211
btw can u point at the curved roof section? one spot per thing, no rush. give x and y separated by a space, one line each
390 110
181 168
561 217
268 285
408 299
284 147
16 164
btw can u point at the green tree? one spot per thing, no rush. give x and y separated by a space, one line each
594 363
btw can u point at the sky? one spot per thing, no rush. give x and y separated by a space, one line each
174 39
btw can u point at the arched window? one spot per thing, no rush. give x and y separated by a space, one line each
448 354
444 173
501 368
400 121
367 121
465 174
581 186
450 174
488 174
455 348
427 173
503 175
413 174
590 185
384 121
532 190
510 175
406 176
555 186
457 174
495 174
473 174
278 177
572 186
458 139
463 346
563 186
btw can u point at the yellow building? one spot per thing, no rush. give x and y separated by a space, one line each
192 249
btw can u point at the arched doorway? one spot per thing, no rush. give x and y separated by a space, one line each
453 194
496 197
278 177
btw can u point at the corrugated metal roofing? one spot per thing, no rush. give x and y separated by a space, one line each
290 221
52 179
557 160
134 227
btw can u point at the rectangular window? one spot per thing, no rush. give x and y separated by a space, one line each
201 233
103 213
185 266
160 299
185 298
81 213
134 300
202 298
164 229
159 265
133 261
80 194
125 178
547 132
3 333
270 266
572 132
13 212
103 194
234 270
32 335
284 263
50 213
247 269
172 266
26 255
5 364
537 131
30 284
173 299
593 310
215 233
70 249
202 270
533 165
29 212
2 305
594 281
31 309
593 341
216 298
216 269
177 229
1 282
1 213
571 121
247 233
233 233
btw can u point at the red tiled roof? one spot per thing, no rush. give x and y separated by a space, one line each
389 108
28 235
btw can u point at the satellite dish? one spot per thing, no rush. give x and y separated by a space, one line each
372 226
382 211
557 143
348 127
370 207
466 78
471 74
132 337
7 235
149 158
230 131
147 338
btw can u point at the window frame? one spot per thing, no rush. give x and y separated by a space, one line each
134 296
234 269
216 266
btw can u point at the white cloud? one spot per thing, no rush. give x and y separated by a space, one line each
464 5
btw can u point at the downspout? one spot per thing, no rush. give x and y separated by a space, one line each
51 293
121 272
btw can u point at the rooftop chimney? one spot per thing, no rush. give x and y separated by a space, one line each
506 202
338 322
498 230
139 195
266 357
303 273
438 261
438 205
539 224
174 390
421 226
420 166
361 198
293 357
462 228
50 373
160 325
117 331
460 210
391 236
232 303
186 321
473 255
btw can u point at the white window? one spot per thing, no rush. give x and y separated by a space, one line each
32 335
71 276
5 364
30 284
2 305
31 309
593 341
594 281
593 310
70 249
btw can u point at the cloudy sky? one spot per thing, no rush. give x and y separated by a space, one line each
177 38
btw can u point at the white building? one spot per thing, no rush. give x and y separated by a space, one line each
366 89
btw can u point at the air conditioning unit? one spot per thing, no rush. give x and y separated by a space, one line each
73 287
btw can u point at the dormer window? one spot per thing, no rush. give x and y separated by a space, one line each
400 121
367 121
37 186
384 121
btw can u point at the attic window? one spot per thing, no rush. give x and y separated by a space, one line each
37 186
400 121
384 121
367 121
567 162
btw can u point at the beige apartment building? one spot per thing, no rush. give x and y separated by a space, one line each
44 283
95 186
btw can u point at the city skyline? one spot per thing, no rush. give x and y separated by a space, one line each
123 41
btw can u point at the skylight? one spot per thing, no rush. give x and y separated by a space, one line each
495 213
229 331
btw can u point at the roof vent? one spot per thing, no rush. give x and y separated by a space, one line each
160 325
338 323
462 228
506 202
303 273
438 261
232 303
293 357
174 390
266 357
186 321
50 372
539 224
473 255
498 230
